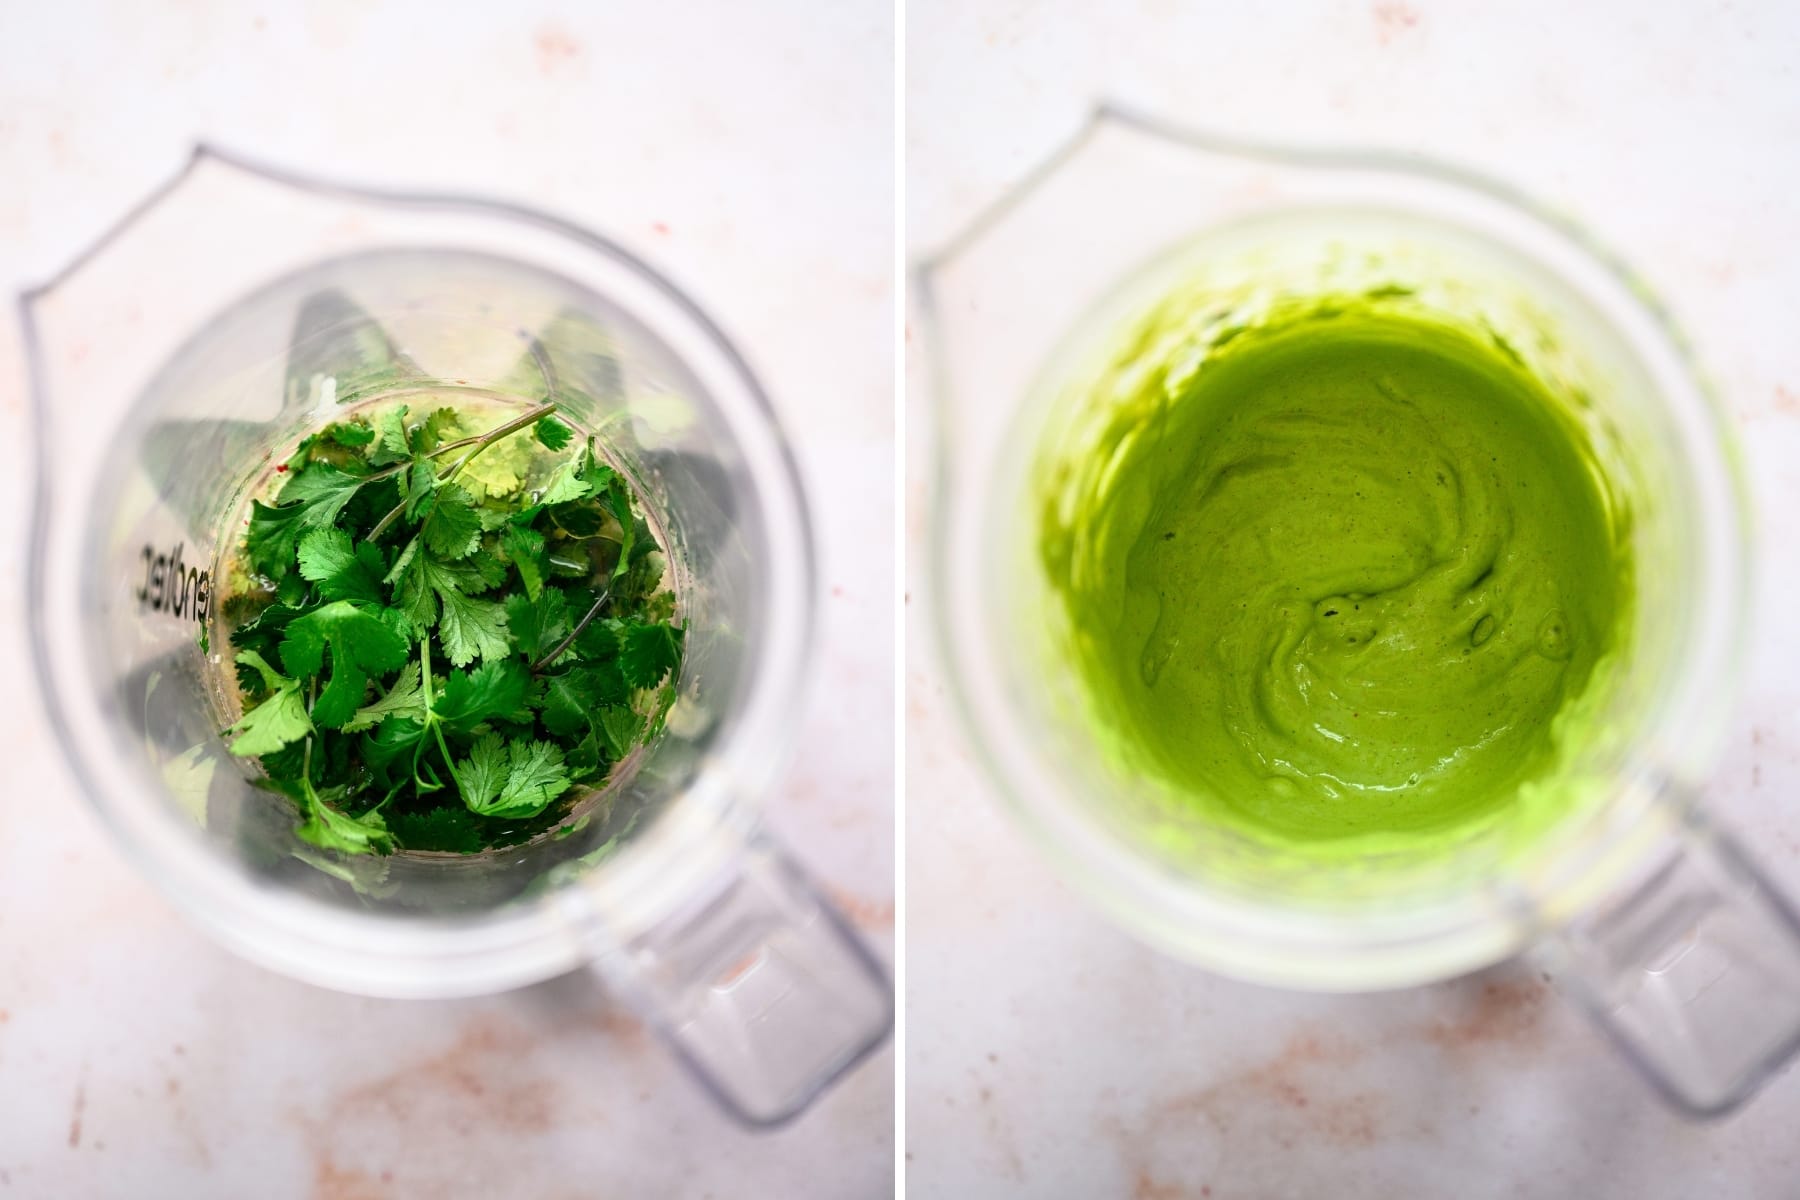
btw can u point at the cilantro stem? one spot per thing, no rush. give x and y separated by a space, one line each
431 721
480 442
491 436
499 431
425 674
381 525
437 731
574 633
306 784
425 685
449 763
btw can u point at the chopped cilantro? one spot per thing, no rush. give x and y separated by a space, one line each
442 636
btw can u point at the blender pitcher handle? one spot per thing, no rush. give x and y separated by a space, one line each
1694 972
758 985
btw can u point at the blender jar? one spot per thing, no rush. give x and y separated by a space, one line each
183 356
1653 918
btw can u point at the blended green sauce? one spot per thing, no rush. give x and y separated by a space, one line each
1342 578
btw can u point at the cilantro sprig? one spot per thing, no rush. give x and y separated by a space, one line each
443 636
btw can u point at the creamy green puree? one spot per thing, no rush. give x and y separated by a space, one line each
1343 577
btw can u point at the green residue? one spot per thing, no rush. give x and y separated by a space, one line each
1341 577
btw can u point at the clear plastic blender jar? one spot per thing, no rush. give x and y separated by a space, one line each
237 310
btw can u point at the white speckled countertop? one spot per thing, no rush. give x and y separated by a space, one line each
1049 1055
746 151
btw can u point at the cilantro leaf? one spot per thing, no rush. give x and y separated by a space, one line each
596 474
452 528
573 699
618 500
517 779
453 830
343 571
480 573
565 484
336 443
621 726
605 682
262 634
404 698
273 535
481 776
565 710
423 581
524 547
471 628
360 643
658 606
393 737
329 829
391 445
537 624
648 652
499 469
418 484
272 679
599 642
494 689
535 777
589 756
414 597
275 722
552 432
441 426
495 517
292 591
321 490
354 433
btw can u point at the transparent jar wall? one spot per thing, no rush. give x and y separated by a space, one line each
1238 276
295 355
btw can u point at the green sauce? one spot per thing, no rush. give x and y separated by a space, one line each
1343 577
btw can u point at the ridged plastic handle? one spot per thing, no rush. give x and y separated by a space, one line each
758 985
1694 971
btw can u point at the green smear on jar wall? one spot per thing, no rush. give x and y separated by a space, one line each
1342 578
